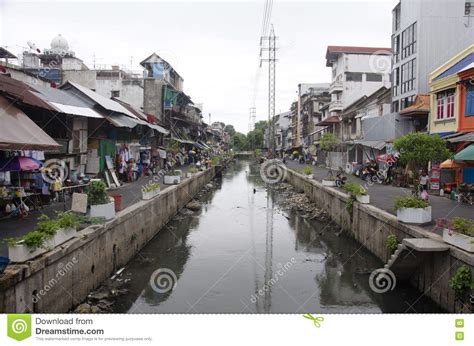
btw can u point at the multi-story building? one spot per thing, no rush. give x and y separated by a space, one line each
311 97
281 124
356 72
425 34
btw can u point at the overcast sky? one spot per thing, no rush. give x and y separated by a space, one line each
213 45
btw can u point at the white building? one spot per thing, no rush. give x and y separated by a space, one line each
356 72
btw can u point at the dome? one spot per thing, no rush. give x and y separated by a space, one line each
59 43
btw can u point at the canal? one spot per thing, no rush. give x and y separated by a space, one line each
244 253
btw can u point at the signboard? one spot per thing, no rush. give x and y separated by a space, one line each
435 177
79 202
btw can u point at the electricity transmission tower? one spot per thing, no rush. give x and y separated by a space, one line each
268 44
252 116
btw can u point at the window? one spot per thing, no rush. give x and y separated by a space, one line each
445 104
395 107
409 41
396 48
395 81
373 77
353 77
470 101
115 93
396 18
408 76
407 101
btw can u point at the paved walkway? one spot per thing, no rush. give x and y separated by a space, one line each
383 196
15 227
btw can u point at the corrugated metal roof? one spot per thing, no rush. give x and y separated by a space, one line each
74 110
106 103
122 121
159 128
467 137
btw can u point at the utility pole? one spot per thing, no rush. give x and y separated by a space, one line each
268 43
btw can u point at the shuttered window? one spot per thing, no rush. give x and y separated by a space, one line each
470 101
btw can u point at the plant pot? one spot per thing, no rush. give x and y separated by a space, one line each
414 215
172 179
329 182
363 199
309 176
103 210
63 235
21 253
459 240
190 175
150 194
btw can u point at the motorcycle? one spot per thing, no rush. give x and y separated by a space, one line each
340 179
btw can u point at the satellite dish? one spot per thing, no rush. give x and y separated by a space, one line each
33 46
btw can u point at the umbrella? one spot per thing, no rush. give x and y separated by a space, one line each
19 163
452 164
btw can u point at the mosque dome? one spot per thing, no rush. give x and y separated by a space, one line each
59 43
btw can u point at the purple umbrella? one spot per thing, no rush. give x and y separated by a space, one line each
19 163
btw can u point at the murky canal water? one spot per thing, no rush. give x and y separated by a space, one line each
242 243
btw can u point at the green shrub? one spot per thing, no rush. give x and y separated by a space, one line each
193 170
97 193
151 187
391 242
461 282
173 173
47 226
355 189
410 202
68 220
308 170
463 226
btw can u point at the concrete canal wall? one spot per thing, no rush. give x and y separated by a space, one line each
63 277
370 226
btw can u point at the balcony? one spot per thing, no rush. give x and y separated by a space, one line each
336 87
335 106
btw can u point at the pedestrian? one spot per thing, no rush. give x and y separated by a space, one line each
424 179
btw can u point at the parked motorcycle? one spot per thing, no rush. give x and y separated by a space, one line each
340 178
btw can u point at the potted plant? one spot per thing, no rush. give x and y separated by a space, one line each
413 209
192 171
358 192
308 171
150 190
172 177
101 205
459 232
29 246
60 229
330 180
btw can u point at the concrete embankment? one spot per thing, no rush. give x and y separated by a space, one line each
62 278
371 226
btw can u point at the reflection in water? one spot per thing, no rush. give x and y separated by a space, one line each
242 253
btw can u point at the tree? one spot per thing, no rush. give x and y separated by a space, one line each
328 142
230 130
418 149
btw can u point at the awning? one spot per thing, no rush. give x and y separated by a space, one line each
466 137
74 110
18 132
379 145
122 121
183 141
329 121
466 154
158 128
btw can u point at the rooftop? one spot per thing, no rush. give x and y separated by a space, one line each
333 52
